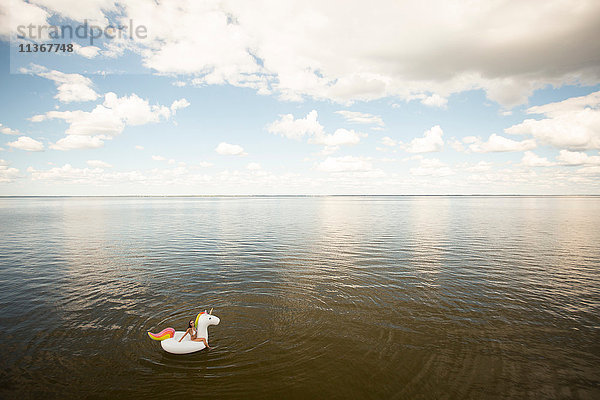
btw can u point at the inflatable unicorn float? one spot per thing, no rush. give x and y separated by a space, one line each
170 338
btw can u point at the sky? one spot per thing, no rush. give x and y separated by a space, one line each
300 97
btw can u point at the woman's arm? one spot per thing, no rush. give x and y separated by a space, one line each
185 334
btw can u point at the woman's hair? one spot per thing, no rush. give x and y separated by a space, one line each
190 323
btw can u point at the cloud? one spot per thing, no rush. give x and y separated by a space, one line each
496 143
430 142
92 11
71 87
15 12
361 118
530 159
71 174
345 164
406 51
74 142
590 171
328 150
253 166
230 149
435 100
26 143
159 180
481 166
296 129
8 131
456 145
572 124
138 147
431 167
86 51
106 120
388 141
159 158
340 137
179 104
98 164
133 110
566 157
7 174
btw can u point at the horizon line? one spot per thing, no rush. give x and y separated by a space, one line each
302 195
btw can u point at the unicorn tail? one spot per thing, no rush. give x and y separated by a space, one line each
166 333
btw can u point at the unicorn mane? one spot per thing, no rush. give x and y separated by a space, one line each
198 317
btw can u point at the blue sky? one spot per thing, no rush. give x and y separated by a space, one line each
309 98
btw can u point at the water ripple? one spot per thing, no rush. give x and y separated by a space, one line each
352 297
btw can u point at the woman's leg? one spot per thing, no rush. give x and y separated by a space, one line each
203 341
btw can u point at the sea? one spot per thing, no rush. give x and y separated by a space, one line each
324 297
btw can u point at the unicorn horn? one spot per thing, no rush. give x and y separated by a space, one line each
210 311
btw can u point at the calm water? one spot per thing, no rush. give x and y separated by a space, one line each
328 297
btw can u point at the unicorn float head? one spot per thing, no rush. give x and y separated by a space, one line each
171 340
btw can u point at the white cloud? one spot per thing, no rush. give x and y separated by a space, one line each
138 147
328 150
388 141
98 164
8 131
159 158
179 104
340 137
93 10
71 87
164 180
591 171
409 51
86 51
253 166
133 110
67 173
16 12
431 167
430 142
566 157
345 164
230 149
90 129
406 51
530 159
435 100
74 142
37 118
26 143
292 128
456 145
497 143
7 174
100 121
572 124
481 166
361 118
